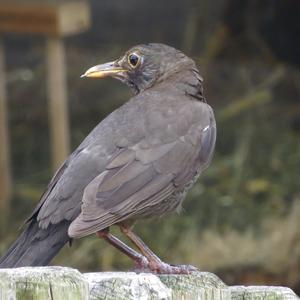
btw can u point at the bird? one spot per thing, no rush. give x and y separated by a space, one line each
139 162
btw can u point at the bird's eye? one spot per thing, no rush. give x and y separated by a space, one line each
134 60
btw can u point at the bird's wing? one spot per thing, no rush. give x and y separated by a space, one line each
141 176
51 185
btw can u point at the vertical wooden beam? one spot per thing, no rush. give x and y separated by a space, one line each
57 91
5 172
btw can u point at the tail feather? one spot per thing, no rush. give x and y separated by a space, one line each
36 246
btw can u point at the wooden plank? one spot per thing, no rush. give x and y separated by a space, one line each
5 172
50 18
58 112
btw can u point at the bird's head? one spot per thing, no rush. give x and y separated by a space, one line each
143 65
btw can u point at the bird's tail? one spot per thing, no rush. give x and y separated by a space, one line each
36 246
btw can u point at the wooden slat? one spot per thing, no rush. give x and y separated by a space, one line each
50 18
58 112
5 173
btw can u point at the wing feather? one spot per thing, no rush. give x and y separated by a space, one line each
144 176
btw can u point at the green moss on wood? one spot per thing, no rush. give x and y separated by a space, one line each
197 286
58 283
42 283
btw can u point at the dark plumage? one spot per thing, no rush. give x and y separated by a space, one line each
138 162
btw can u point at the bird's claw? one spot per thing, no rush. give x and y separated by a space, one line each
144 266
164 268
141 264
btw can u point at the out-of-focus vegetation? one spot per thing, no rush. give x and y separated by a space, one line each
242 218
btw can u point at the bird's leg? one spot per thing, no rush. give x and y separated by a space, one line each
140 261
137 241
156 265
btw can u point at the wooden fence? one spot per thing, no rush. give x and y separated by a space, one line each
54 20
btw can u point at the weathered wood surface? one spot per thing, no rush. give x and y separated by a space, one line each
41 283
59 18
58 283
149 286
262 292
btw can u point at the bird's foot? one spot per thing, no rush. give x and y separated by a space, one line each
141 264
164 268
156 267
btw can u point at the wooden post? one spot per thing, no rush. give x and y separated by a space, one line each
61 283
58 114
5 173
54 20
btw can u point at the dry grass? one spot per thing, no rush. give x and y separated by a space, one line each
274 250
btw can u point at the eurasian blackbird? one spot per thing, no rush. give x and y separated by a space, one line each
139 162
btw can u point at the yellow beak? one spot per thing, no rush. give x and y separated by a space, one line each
104 70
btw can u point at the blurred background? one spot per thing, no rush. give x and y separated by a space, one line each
242 218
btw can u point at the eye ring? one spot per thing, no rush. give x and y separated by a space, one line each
134 59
